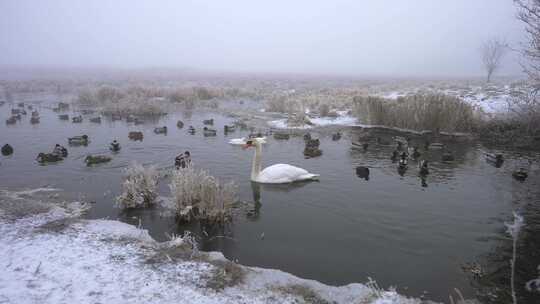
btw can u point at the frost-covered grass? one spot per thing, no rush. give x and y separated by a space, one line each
200 196
139 188
417 112
104 261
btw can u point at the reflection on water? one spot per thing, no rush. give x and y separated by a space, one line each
391 226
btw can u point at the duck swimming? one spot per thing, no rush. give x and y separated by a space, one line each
34 120
191 130
60 151
209 132
447 156
78 140
48 158
336 136
114 146
95 119
162 130
208 122
229 129
520 174
135 135
7 150
96 159
12 120
63 117
77 119
362 172
180 124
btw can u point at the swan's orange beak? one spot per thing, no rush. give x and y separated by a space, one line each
248 144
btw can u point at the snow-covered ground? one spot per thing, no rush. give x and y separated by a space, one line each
48 254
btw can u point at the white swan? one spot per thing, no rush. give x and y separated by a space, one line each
275 174
243 140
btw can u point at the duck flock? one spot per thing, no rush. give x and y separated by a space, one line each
401 154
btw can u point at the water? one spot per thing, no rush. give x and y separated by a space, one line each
340 230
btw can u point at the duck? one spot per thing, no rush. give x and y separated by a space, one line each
362 172
20 104
63 105
34 120
95 119
191 130
307 136
96 159
87 111
180 124
312 151
114 146
138 121
78 140
278 173
35 114
209 132
7 149
77 119
336 136
447 156
15 111
135 135
60 151
12 120
208 121
48 158
162 130
496 159
281 136
228 129
423 166
63 117
520 174
403 162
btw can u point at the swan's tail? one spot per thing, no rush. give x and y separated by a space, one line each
310 176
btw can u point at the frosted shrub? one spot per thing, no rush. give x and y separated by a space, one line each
139 188
200 196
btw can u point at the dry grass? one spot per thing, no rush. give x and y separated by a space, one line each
417 112
307 294
225 274
139 188
200 196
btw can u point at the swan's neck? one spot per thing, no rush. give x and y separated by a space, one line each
256 165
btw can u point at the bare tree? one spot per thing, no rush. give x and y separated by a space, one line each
492 53
529 14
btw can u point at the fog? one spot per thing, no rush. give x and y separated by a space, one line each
401 38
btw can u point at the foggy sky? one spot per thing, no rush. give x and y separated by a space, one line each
383 37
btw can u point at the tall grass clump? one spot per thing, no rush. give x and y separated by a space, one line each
432 112
139 188
513 230
200 196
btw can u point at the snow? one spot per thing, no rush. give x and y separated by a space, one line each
54 256
343 119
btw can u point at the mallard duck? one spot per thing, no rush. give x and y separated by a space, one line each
496 159
209 132
34 120
15 111
312 151
77 119
229 129
423 166
48 158
336 136
12 120
179 124
95 119
307 136
7 150
162 130
115 146
520 174
60 150
191 130
281 136
63 105
135 135
63 117
208 121
96 159
20 104
313 143
362 172
78 140
35 114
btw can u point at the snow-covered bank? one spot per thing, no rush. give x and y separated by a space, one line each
50 255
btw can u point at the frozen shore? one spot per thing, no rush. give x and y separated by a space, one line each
50 255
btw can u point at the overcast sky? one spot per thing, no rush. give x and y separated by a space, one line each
358 37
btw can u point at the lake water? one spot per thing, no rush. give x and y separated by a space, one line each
396 229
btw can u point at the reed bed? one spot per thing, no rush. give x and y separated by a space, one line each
200 196
421 112
139 189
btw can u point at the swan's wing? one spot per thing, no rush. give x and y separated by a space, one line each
283 173
238 141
